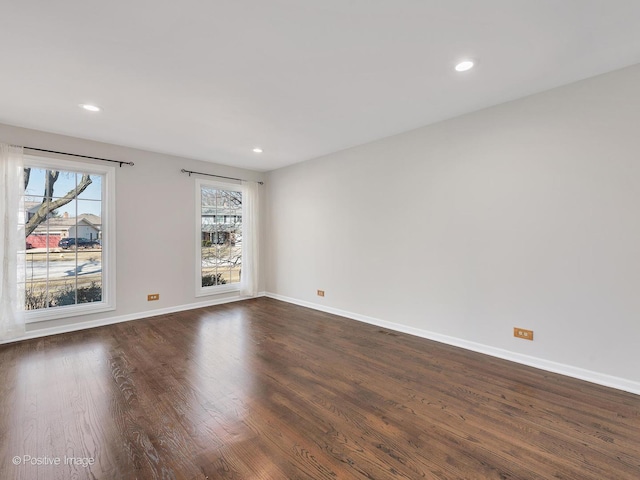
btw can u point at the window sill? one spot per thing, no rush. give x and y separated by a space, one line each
57 313
217 289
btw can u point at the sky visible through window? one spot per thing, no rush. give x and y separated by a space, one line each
66 182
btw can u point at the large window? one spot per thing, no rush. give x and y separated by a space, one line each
219 237
69 238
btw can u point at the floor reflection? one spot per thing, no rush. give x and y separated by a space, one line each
57 395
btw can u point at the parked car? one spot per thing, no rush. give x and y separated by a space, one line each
67 243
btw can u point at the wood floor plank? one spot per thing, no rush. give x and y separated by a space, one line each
262 389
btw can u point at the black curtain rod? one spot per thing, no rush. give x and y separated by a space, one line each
81 156
219 176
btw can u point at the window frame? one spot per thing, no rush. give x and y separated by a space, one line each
213 289
108 261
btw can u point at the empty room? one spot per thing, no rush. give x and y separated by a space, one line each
363 239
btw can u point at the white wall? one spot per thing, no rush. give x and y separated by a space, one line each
154 223
525 214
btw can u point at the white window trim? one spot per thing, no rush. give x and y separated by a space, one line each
214 289
108 302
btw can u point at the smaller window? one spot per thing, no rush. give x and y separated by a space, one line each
219 236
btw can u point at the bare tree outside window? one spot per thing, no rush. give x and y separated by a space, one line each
48 204
221 236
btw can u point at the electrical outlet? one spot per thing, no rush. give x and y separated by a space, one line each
522 333
321 293
153 296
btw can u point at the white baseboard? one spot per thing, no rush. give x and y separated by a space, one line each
550 366
45 332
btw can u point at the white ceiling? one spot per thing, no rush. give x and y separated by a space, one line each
211 79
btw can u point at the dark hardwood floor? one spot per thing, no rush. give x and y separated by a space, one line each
266 390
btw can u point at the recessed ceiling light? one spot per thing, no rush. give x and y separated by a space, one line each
89 107
464 66
257 150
